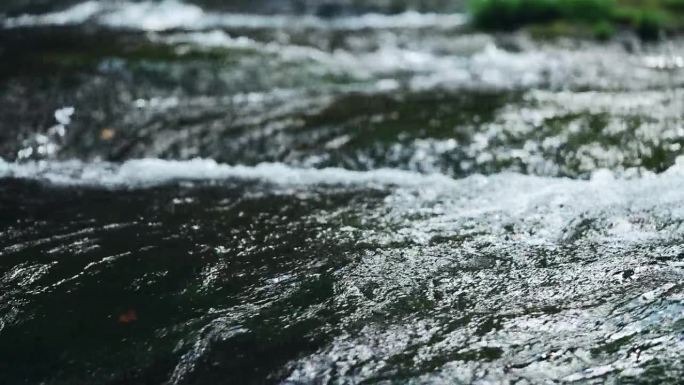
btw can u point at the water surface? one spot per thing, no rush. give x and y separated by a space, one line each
306 193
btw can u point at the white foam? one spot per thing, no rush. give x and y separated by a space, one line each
63 115
595 66
77 14
150 16
455 65
150 172
436 63
541 203
386 60
173 14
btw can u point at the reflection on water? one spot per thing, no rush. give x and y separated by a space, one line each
333 192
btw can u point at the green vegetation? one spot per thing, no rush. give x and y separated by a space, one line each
650 19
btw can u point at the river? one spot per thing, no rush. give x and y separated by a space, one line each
349 192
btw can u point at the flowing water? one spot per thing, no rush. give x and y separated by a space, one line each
351 192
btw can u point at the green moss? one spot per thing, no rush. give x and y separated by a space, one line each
651 23
598 18
674 5
582 30
508 14
603 30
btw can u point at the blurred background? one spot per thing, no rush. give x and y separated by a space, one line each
317 7
356 84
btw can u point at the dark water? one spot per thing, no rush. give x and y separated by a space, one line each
334 193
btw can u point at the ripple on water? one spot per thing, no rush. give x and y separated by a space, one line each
353 199
307 275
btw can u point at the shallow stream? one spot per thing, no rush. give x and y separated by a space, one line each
354 192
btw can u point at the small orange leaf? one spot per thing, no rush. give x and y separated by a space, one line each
128 317
107 134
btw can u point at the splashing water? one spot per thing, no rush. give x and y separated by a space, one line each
299 198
